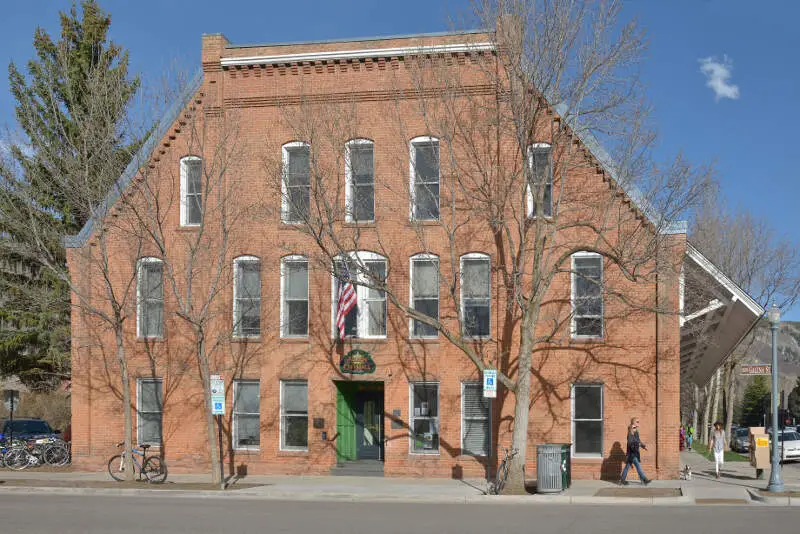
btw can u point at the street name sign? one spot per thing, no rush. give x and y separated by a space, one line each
756 370
490 383
217 395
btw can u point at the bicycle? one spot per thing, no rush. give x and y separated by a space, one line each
39 451
499 483
152 468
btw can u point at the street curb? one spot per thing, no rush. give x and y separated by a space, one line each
773 501
535 500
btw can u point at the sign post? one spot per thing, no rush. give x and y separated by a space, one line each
218 409
11 400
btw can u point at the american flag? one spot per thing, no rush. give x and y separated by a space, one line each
347 299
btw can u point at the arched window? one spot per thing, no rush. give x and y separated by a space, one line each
294 296
246 296
541 179
587 295
360 172
424 298
424 178
150 298
476 295
296 183
191 191
357 274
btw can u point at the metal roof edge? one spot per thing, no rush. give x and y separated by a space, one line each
141 156
708 266
360 39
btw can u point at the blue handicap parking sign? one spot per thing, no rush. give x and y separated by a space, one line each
217 405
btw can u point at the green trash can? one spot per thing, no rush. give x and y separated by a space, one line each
566 465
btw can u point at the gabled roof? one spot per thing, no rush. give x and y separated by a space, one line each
141 157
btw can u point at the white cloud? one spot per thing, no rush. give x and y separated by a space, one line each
718 77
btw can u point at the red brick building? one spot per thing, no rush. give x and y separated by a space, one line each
395 395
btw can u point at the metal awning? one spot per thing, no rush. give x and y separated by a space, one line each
717 315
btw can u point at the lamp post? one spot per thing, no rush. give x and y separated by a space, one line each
775 481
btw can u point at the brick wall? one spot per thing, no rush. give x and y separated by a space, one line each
637 361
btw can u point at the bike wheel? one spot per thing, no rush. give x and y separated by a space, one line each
17 459
56 455
116 468
155 469
500 479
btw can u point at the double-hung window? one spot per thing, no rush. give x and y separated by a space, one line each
476 290
587 420
294 301
425 293
294 415
149 407
587 295
474 420
541 179
296 187
360 192
424 179
424 418
150 298
246 407
247 296
191 191
367 319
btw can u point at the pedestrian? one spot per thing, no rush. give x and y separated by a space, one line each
683 437
690 436
633 458
718 446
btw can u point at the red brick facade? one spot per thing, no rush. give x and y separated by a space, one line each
637 361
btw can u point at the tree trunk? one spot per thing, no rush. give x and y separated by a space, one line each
696 407
730 392
522 396
205 375
709 392
717 395
126 404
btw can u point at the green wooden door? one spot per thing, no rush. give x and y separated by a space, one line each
345 422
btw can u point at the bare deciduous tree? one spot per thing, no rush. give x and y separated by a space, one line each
511 136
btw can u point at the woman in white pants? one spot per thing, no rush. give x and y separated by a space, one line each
718 446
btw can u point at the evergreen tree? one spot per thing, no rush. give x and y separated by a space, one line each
80 81
755 398
793 402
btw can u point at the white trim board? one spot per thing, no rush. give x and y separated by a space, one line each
358 54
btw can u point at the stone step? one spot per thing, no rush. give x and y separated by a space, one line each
362 468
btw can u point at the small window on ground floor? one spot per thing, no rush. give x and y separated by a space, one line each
587 420
425 418
294 415
474 420
246 421
149 409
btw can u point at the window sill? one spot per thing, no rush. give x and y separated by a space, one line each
591 458
426 222
424 340
246 339
361 340
289 453
290 224
188 228
360 224
588 339
161 339
417 454
247 450
290 340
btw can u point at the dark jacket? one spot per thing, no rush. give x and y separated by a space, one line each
634 444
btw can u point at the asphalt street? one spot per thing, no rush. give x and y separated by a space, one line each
39 514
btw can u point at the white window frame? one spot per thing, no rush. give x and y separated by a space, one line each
284 193
474 256
236 385
237 327
422 140
479 385
139 300
602 420
139 382
539 147
281 414
573 285
412 259
295 258
350 181
362 321
185 190
412 418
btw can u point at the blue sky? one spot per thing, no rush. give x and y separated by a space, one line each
745 122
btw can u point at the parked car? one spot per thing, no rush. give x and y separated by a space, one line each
27 429
740 440
789 445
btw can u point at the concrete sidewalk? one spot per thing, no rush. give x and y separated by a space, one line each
738 486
